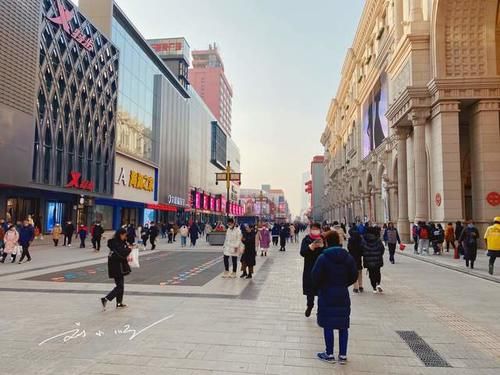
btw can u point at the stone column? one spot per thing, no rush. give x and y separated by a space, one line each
445 168
398 18
419 119
403 222
393 202
485 159
416 13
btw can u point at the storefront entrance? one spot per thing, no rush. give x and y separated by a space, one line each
18 209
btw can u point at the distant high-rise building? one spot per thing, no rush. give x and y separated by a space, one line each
208 79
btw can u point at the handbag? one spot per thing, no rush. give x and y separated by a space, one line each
133 258
402 246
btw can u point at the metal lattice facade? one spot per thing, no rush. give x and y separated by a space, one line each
75 123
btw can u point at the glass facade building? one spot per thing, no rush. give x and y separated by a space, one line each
137 135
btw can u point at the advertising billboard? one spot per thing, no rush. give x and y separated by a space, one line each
375 124
218 146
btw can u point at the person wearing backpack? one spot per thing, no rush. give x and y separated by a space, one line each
468 239
391 237
424 235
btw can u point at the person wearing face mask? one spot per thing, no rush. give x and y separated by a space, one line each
249 252
232 245
311 248
97 233
468 239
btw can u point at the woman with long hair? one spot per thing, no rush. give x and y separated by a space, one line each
118 267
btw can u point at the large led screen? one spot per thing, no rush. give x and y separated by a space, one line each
375 125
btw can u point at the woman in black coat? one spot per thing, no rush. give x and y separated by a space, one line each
355 247
311 248
118 267
334 271
373 257
249 253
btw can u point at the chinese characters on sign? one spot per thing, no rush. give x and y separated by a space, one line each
176 200
78 183
64 18
136 180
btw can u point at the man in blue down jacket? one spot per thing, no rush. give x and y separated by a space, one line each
334 271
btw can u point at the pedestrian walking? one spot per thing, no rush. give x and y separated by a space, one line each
56 234
82 233
26 236
355 248
96 238
468 239
283 237
231 248
131 234
144 235
263 239
311 248
449 237
459 228
340 231
249 252
275 234
118 267
184 233
334 271
208 229
170 229
69 230
373 257
437 237
11 240
194 233
492 240
164 230
424 235
292 233
153 234
391 237
414 234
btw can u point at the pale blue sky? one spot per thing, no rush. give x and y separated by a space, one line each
283 59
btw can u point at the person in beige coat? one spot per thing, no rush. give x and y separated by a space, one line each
10 239
56 234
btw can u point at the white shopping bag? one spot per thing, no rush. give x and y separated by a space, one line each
133 258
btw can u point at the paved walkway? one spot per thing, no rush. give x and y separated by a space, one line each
259 330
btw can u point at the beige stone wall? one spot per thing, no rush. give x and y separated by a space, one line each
440 57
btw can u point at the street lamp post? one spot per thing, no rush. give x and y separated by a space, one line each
227 176
262 198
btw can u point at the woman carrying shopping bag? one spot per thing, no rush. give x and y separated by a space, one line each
118 267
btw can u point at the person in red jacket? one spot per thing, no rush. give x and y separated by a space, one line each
82 232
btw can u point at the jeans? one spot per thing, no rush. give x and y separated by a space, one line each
26 252
310 300
117 290
183 241
392 251
415 244
275 240
193 241
423 245
226 262
343 338
82 242
375 277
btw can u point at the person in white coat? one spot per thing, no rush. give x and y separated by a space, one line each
232 245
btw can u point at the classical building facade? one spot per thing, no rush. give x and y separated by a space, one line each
413 132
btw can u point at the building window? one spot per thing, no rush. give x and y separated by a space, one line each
106 172
36 150
71 155
59 157
89 162
47 156
80 156
98 170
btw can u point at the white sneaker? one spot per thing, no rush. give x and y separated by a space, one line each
225 275
379 289
375 291
233 275
69 245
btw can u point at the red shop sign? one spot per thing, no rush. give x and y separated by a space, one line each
493 198
77 184
438 199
